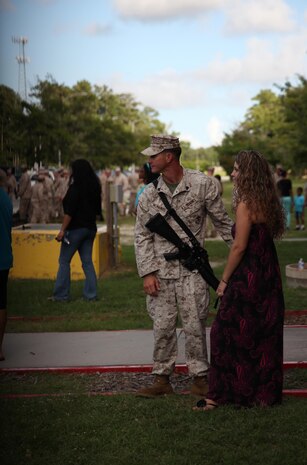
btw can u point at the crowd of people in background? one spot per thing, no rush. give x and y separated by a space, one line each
290 201
39 194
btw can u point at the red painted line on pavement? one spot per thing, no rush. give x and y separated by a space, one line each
181 368
288 365
295 312
83 369
92 369
295 392
295 326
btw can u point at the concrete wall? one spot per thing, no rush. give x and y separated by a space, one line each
36 253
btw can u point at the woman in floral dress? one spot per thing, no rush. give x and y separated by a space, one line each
247 334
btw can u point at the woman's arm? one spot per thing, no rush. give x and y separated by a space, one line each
243 227
65 223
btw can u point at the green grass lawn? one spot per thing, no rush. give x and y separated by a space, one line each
62 424
122 300
77 429
126 430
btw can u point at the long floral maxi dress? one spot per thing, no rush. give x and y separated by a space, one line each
247 334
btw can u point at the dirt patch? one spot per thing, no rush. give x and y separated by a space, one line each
128 383
132 382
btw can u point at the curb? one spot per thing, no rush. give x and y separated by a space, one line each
295 392
299 364
180 368
92 369
295 326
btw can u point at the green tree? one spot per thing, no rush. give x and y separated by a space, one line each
126 124
48 122
93 122
231 144
294 101
275 125
265 122
12 126
264 129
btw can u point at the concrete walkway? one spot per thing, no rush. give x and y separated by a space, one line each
109 348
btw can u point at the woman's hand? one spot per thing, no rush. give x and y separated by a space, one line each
221 288
65 223
60 236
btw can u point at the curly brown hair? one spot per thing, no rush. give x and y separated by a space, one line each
256 187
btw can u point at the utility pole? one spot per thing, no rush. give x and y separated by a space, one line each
21 60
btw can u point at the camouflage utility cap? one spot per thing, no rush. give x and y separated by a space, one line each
160 142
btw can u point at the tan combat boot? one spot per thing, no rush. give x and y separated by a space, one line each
160 387
200 386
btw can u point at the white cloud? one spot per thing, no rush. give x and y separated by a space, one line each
96 29
223 81
250 16
242 16
7 5
263 62
214 130
194 141
151 10
166 90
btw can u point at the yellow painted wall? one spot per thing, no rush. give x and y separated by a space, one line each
36 254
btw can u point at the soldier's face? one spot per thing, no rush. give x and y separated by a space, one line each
158 162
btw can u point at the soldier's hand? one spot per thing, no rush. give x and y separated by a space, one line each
151 285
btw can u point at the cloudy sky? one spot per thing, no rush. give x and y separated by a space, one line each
197 62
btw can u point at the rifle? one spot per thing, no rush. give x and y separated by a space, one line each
192 258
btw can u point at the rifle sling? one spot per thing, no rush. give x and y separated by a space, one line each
177 218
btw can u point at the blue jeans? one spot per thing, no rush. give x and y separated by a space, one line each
80 240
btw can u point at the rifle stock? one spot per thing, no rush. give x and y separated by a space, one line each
158 224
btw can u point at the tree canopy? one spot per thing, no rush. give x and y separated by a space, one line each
275 125
61 123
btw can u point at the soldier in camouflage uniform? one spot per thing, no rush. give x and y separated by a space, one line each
24 192
48 197
60 189
37 199
169 286
11 184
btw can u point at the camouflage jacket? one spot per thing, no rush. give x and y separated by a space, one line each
24 186
195 197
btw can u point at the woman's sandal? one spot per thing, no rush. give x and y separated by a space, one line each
204 405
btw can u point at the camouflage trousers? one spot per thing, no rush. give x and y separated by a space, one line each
24 209
36 212
188 296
